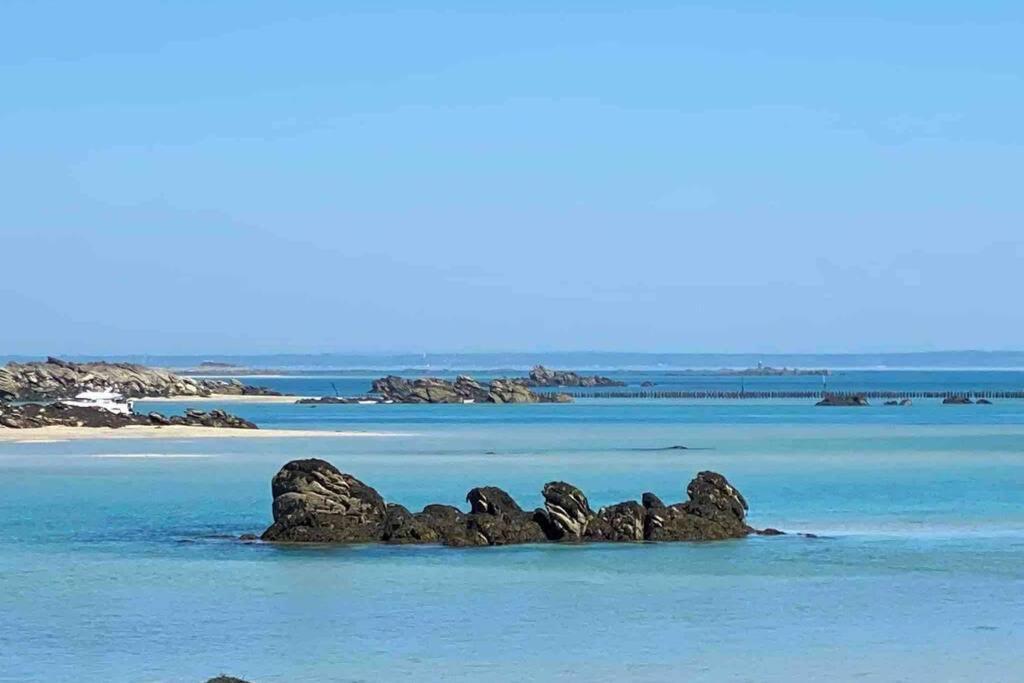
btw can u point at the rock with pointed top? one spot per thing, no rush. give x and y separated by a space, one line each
566 511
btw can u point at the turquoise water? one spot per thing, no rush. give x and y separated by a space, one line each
117 562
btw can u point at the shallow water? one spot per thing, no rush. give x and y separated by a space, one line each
123 568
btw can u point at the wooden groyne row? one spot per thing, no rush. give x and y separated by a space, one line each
816 395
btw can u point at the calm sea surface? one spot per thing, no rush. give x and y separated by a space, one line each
117 558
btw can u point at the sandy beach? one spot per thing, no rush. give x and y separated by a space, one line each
62 433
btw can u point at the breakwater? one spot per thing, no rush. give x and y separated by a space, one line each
816 395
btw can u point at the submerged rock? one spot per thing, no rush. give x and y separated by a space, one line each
957 400
843 400
314 502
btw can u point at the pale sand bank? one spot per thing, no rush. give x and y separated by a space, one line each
220 398
61 433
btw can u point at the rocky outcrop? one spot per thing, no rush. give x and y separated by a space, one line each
541 376
225 679
957 401
566 511
843 400
31 415
55 379
463 390
314 502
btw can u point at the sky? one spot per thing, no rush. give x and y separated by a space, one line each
729 176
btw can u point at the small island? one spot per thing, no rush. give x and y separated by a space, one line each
315 502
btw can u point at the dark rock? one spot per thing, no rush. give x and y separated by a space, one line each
540 376
566 511
492 501
843 400
983 402
463 390
225 679
651 501
713 497
714 511
316 503
769 532
248 538
505 529
498 519
449 523
30 415
401 526
892 403
906 402
619 522
957 400
647 383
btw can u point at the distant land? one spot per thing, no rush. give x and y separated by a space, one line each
570 360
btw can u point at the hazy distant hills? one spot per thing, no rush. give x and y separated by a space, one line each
575 360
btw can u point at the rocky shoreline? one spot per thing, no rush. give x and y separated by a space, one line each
315 502
541 376
35 415
394 389
56 379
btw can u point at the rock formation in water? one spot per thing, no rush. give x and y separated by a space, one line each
957 401
32 415
843 400
55 379
315 502
463 390
541 376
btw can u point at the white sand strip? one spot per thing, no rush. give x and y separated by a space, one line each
58 433
220 398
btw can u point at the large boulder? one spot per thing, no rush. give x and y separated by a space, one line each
314 502
507 391
715 510
496 518
566 511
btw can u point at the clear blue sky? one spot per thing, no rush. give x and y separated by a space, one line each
314 176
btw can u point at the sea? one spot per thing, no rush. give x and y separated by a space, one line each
120 559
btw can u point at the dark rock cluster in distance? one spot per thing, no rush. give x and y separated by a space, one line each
463 389
32 415
843 400
315 502
541 376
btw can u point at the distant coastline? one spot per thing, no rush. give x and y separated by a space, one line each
518 362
